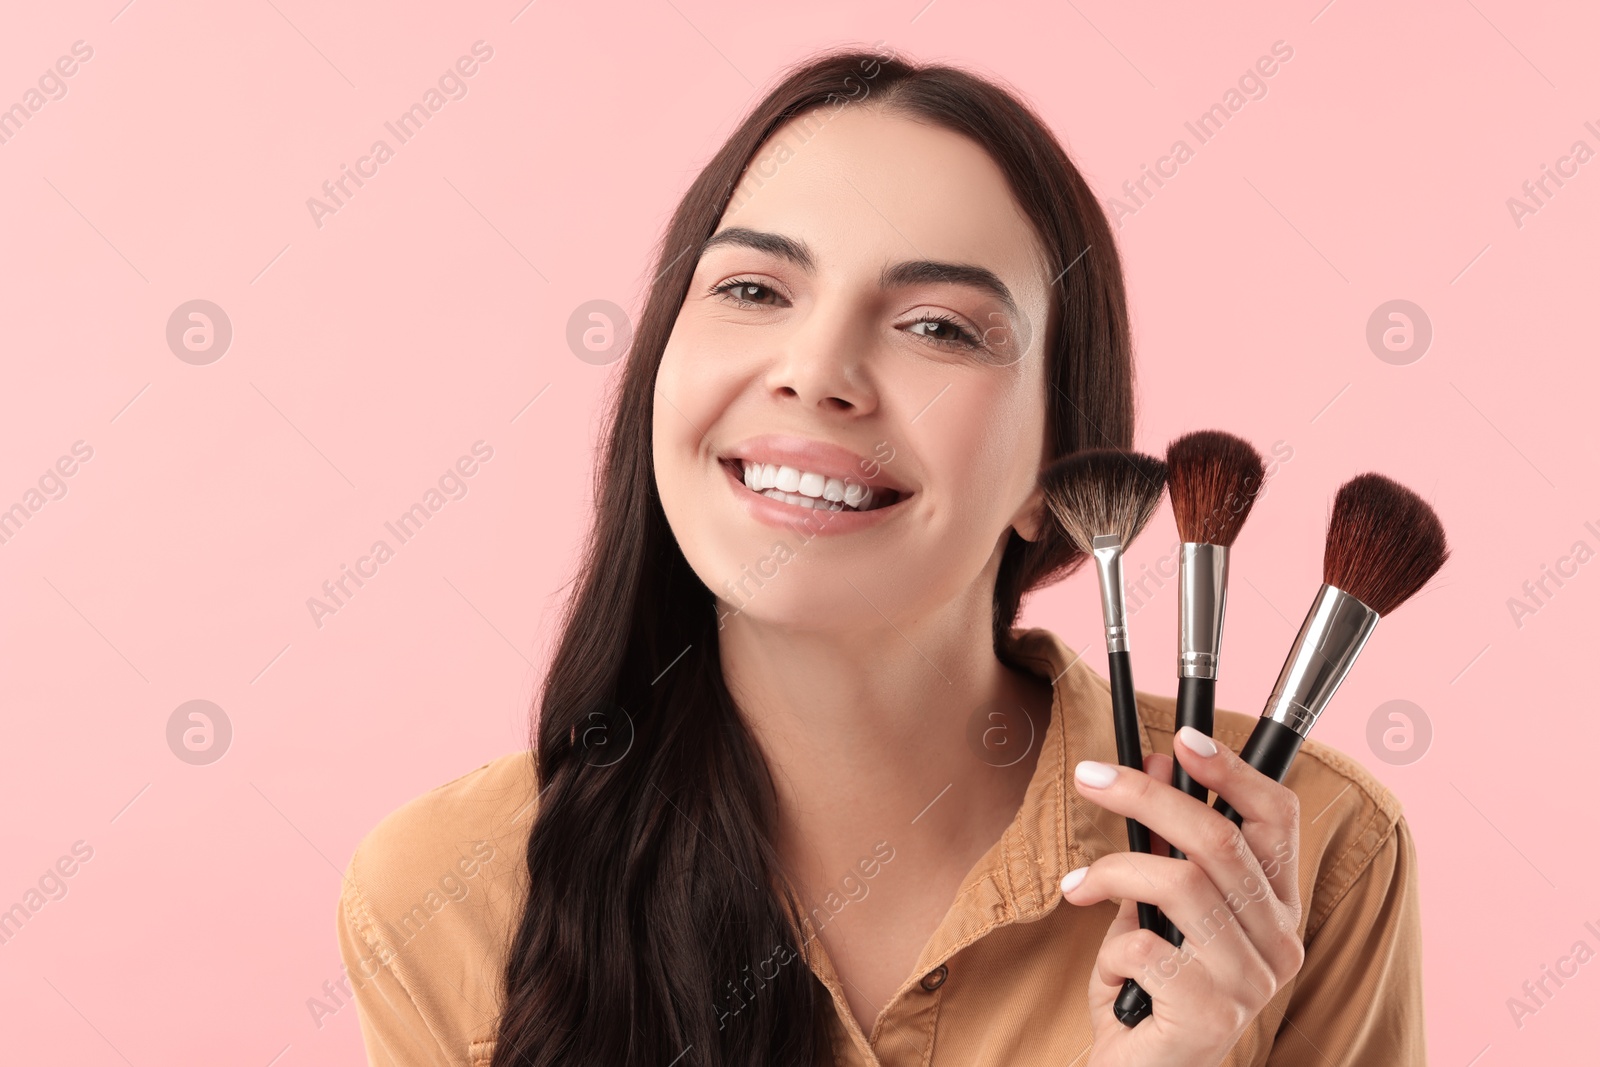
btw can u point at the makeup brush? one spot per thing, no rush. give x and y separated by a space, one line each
1101 499
1384 543
1213 479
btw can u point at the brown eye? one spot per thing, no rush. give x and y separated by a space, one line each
946 331
743 291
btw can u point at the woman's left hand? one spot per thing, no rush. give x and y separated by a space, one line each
1236 899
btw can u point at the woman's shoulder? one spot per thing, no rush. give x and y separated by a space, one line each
457 840
1348 819
484 805
431 894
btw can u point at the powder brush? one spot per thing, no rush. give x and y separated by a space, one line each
1384 543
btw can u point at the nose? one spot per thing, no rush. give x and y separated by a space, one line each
824 363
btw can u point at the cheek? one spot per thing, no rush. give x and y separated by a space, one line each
699 374
693 390
984 448
677 406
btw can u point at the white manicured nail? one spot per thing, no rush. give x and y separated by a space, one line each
1095 774
1198 741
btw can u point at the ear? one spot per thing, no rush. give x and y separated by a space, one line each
1030 518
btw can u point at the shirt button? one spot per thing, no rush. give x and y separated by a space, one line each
935 978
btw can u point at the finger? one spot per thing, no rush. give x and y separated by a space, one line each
1126 922
1179 888
1158 765
1270 809
1186 995
1221 881
1205 835
1173 976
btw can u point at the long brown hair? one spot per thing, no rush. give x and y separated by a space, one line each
658 926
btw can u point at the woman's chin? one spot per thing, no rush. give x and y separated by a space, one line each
795 615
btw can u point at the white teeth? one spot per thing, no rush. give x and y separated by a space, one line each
803 501
806 488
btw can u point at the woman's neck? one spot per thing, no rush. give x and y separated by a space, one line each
870 737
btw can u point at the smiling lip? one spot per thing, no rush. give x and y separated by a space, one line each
799 519
817 457
830 461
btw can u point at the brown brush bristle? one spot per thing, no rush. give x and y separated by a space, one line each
1384 542
1214 479
1103 491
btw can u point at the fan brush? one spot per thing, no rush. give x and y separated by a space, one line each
1101 499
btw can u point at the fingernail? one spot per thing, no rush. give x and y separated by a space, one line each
1095 774
1198 741
1073 879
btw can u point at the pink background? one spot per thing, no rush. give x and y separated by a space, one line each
368 354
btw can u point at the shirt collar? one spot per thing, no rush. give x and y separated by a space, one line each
1056 830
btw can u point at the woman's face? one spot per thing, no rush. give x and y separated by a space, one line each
868 317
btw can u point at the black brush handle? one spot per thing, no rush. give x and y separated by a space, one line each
1197 702
1270 750
1133 1003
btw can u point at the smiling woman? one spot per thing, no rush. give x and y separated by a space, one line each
875 348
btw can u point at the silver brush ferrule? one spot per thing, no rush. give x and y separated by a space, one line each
1202 598
1329 641
1108 561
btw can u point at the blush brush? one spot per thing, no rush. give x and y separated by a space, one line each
1101 499
1213 479
1384 543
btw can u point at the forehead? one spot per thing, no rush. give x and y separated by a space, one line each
864 185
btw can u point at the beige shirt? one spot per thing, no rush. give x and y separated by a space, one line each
432 893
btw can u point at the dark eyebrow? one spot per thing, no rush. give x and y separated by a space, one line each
918 271
906 272
775 244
